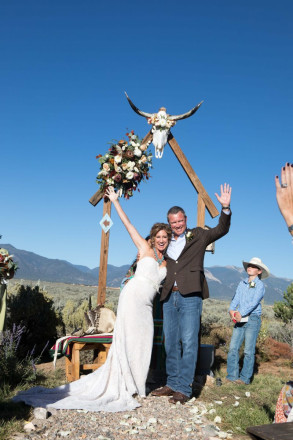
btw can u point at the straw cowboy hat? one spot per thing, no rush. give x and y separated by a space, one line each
257 262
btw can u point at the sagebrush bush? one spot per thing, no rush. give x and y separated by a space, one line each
73 316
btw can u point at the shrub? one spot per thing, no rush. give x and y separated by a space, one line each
34 310
284 309
73 316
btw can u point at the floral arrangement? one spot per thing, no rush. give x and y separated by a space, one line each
189 235
124 166
251 284
161 121
7 265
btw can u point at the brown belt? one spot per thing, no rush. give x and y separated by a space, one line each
175 289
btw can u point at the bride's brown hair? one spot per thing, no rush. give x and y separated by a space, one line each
157 227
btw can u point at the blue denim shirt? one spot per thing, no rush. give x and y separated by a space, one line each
247 299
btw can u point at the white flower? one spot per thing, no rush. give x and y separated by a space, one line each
137 152
129 175
130 165
217 419
118 158
106 167
133 143
143 159
136 169
110 181
163 122
117 169
106 155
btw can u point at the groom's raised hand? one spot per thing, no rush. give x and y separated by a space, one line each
225 197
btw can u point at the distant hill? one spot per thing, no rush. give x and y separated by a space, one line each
222 281
35 267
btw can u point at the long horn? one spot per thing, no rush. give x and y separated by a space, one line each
139 112
185 115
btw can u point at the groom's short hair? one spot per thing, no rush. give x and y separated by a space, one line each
175 210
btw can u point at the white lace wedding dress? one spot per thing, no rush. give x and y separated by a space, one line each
112 386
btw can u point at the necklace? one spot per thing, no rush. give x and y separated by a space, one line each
159 260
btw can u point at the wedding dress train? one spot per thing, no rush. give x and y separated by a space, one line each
111 387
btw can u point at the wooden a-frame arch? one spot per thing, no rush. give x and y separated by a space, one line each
203 201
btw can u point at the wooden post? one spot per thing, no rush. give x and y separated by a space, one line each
200 212
94 200
104 257
192 176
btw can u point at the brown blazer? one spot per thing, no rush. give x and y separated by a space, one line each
188 271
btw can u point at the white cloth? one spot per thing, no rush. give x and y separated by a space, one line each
111 387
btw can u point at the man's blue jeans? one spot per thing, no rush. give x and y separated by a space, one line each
248 331
181 326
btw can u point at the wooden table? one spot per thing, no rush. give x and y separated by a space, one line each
71 348
275 431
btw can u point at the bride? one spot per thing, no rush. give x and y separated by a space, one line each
111 387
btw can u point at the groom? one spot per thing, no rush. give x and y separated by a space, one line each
183 291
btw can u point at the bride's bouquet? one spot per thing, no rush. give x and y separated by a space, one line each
124 166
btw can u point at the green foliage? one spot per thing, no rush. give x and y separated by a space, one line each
284 309
34 310
73 316
61 292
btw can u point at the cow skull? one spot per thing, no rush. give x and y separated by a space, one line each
161 122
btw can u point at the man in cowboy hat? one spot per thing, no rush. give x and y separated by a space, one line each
245 311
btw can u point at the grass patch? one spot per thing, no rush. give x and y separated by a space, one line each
14 414
256 409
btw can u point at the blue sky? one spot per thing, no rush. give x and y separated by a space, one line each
64 68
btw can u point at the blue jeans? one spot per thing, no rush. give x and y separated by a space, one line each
248 331
181 326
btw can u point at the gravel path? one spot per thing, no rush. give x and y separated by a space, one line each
155 419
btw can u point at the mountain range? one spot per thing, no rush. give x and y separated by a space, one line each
222 280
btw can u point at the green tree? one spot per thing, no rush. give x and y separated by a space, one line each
34 309
284 309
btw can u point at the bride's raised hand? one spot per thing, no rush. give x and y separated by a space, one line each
110 193
139 242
